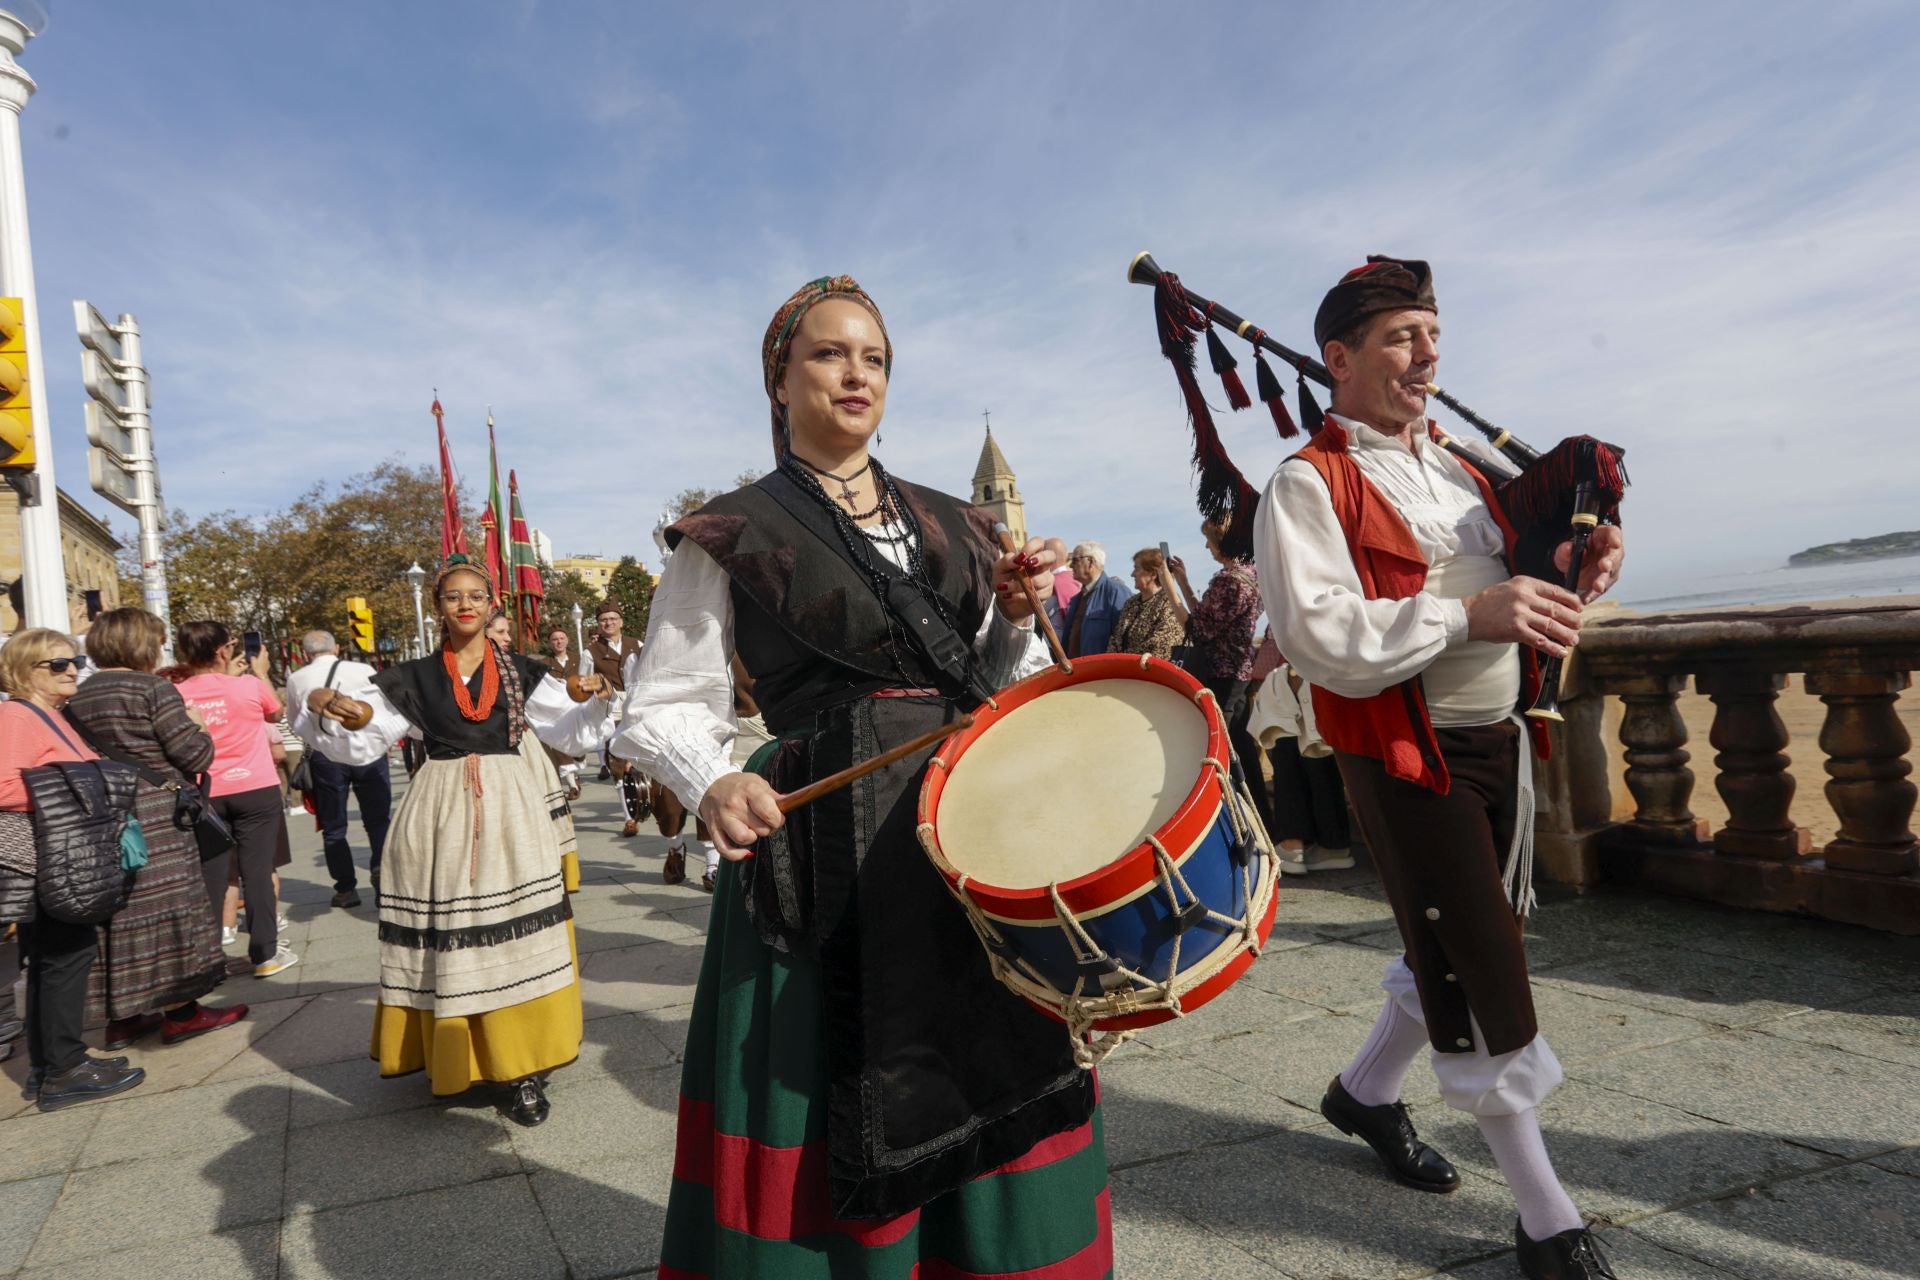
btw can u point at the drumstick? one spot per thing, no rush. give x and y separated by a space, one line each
834 781
1033 599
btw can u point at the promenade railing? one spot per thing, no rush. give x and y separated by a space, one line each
1624 708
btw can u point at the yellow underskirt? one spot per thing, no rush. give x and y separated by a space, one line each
570 871
500 1045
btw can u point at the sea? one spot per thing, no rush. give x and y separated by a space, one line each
1772 584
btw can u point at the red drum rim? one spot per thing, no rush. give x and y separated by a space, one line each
1132 871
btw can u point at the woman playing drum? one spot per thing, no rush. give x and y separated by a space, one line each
860 1096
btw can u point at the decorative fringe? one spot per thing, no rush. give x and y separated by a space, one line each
480 935
1224 492
1545 493
1224 364
1310 416
1271 395
1517 877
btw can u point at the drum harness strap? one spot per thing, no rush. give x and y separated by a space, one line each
1107 988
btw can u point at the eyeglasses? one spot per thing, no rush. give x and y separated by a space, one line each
59 665
467 597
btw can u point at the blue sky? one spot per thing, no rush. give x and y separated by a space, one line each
1691 229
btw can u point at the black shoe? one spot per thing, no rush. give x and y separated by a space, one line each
92 1079
1572 1255
1390 1133
37 1075
529 1105
605 773
347 898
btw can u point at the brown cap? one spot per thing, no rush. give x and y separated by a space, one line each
1384 284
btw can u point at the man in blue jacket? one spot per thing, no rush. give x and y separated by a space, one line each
1091 617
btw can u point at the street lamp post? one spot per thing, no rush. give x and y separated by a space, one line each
41 565
579 640
417 579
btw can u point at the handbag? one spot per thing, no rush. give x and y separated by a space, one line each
300 778
81 809
191 809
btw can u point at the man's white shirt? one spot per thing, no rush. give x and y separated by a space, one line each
329 737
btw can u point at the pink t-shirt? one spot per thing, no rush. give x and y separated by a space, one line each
237 710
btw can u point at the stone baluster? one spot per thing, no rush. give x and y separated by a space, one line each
1752 775
1655 737
1866 748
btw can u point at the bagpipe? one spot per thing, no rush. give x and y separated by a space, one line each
1552 497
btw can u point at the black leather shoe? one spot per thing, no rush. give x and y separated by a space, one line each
529 1105
36 1076
1571 1255
347 898
1390 1133
94 1078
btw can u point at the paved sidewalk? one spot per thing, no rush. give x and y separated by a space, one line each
1742 1099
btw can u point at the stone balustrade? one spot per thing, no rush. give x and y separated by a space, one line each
1856 659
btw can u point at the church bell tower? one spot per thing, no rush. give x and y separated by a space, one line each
996 491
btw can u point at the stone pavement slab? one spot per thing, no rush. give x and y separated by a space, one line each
248 1253
1821 1098
274 1151
482 1230
1853 1223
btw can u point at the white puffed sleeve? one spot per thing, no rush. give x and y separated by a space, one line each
388 726
1322 620
677 722
569 727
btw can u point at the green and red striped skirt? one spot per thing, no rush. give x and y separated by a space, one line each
749 1192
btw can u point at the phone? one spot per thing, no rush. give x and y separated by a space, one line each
94 607
250 643
1166 556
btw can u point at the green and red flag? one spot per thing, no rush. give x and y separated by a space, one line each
453 530
494 521
528 590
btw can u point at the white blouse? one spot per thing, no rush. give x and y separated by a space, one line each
677 723
1356 647
569 727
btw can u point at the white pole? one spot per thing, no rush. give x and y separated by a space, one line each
145 468
41 564
415 579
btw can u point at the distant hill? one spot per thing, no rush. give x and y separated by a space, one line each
1884 547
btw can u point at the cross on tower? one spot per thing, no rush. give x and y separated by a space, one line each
988 415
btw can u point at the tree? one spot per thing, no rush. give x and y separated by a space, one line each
291 572
564 590
631 587
688 501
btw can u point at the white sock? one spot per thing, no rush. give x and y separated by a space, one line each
1520 1151
1376 1072
713 857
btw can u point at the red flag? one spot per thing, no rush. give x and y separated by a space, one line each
528 590
453 531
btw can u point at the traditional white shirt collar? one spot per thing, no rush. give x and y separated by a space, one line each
1366 437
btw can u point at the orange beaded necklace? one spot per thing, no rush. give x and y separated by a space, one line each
489 684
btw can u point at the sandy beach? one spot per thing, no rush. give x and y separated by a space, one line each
1803 714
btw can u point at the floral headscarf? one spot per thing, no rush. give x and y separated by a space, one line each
778 344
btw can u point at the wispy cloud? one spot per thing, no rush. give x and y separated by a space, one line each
1686 228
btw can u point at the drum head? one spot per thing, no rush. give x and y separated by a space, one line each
1069 782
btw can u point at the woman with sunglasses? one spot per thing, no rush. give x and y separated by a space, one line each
40 670
240 711
478 979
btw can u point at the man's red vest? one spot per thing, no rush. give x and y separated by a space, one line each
1393 726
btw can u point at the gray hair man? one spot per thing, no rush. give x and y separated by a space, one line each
1096 608
340 760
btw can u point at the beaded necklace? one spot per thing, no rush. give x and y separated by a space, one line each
489 684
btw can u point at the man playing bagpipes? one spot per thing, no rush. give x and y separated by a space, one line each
1385 563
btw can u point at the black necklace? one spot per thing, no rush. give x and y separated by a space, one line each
846 493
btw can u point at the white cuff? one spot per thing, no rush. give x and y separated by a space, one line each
1454 613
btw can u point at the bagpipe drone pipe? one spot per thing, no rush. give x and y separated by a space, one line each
1552 497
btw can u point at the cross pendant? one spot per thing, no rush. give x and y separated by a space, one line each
847 494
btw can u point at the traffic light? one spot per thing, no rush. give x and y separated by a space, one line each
16 390
360 623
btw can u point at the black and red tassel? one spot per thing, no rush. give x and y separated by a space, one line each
1267 383
1310 416
1223 490
1225 365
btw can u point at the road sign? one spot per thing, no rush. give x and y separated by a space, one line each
106 430
102 382
112 481
95 333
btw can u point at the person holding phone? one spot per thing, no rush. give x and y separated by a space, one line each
239 710
1155 619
